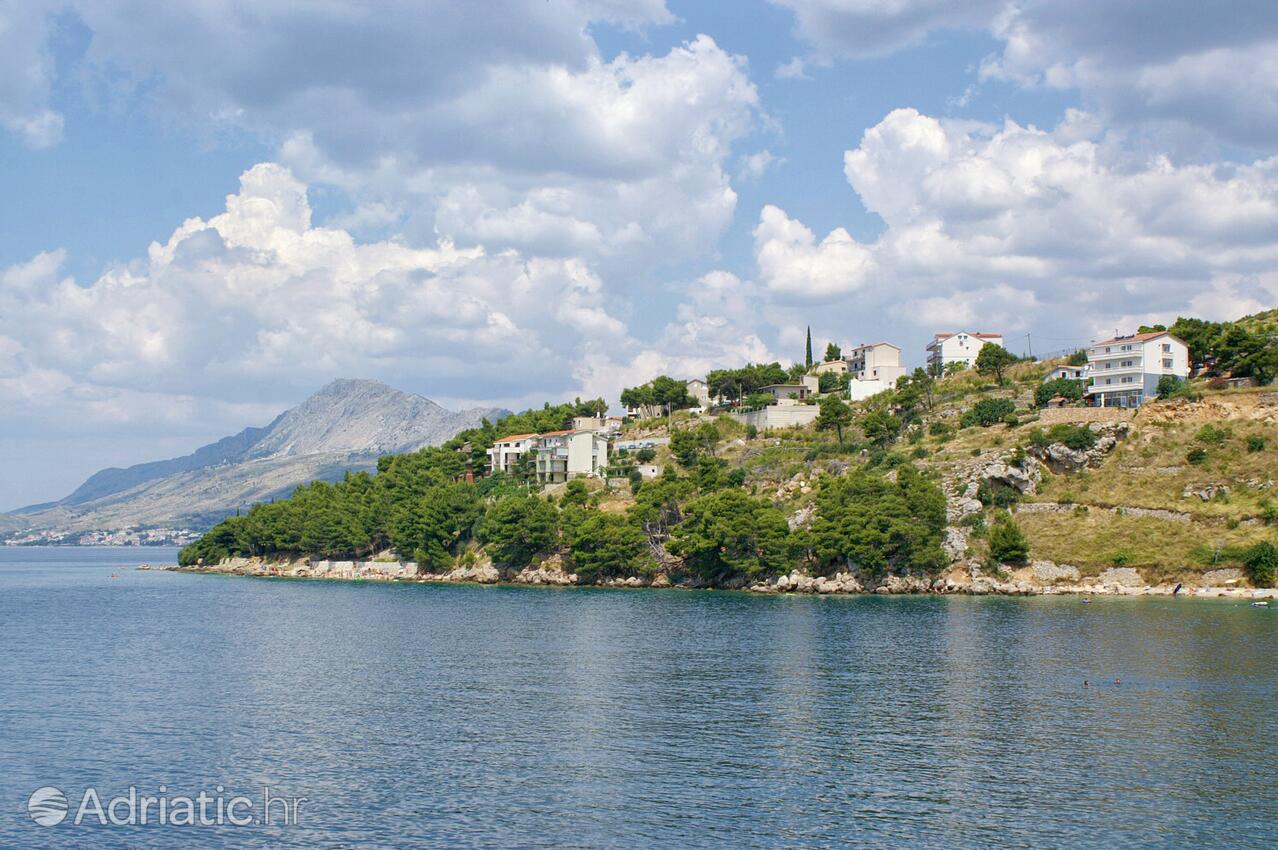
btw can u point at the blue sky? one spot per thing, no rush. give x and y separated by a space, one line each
215 209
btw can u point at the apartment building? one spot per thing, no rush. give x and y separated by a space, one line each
876 361
1125 370
562 455
961 347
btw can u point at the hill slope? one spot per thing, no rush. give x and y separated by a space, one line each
346 425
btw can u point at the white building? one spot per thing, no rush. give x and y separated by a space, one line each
1125 370
700 391
505 453
1069 373
838 367
961 347
562 455
876 361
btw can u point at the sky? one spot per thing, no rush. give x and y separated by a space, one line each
212 209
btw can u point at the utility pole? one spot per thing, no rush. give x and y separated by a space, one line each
1029 346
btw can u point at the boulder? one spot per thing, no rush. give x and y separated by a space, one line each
1047 572
1123 577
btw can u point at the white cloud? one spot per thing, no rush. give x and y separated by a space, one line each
793 265
1009 227
1175 66
257 299
27 73
753 166
794 69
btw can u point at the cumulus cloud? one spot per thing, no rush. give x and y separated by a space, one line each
258 298
792 264
1171 64
1011 226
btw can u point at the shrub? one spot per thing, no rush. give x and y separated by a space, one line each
1168 386
1063 387
1261 561
995 495
920 452
1268 511
1076 437
1255 443
1196 455
1121 558
1008 544
987 412
939 429
1212 435
646 455
752 432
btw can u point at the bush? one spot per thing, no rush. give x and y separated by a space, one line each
920 452
1268 511
1076 437
1064 387
1255 443
752 432
1008 544
1196 455
646 455
517 528
1121 558
987 412
1212 435
997 495
1169 385
1261 561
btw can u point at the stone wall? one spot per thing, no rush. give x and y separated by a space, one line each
1080 415
779 416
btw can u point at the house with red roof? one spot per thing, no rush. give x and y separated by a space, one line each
1125 370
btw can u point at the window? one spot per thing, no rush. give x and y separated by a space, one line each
1167 362
1167 348
1107 349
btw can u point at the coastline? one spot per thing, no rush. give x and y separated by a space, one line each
961 581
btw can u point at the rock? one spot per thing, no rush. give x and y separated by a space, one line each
955 544
1121 576
1206 493
661 580
802 518
1047 572
1214 578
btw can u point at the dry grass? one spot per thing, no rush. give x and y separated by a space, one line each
1096 540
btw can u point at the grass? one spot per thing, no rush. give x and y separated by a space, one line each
1096 540
1151 470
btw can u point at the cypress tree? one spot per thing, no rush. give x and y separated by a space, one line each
809 352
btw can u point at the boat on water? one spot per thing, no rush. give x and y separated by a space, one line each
1260 603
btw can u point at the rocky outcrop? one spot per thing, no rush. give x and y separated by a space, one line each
1121 576
1206 492
1060 458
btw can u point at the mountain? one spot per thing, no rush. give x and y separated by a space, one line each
347 425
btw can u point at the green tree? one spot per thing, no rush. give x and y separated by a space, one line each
517 528
987 412
832 382
808 349
1169 385
834 416
1008 544
1261 560
605 545
864 520
1064 387
881 428
1078 358
832 352
730 534
646 455
688 444
994 360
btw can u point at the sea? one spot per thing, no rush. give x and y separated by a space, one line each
317 714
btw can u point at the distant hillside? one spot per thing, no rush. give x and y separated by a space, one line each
346 425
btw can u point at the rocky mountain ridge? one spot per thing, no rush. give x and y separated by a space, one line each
346 425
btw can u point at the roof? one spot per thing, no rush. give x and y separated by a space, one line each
559 433
978 335
874 344
1145 337
513 438
785 387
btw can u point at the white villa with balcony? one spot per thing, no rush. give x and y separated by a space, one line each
562 455
961 347
1125 370
876 361
505 453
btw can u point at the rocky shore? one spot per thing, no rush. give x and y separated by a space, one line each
1038 578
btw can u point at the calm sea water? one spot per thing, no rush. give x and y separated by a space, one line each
421 716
